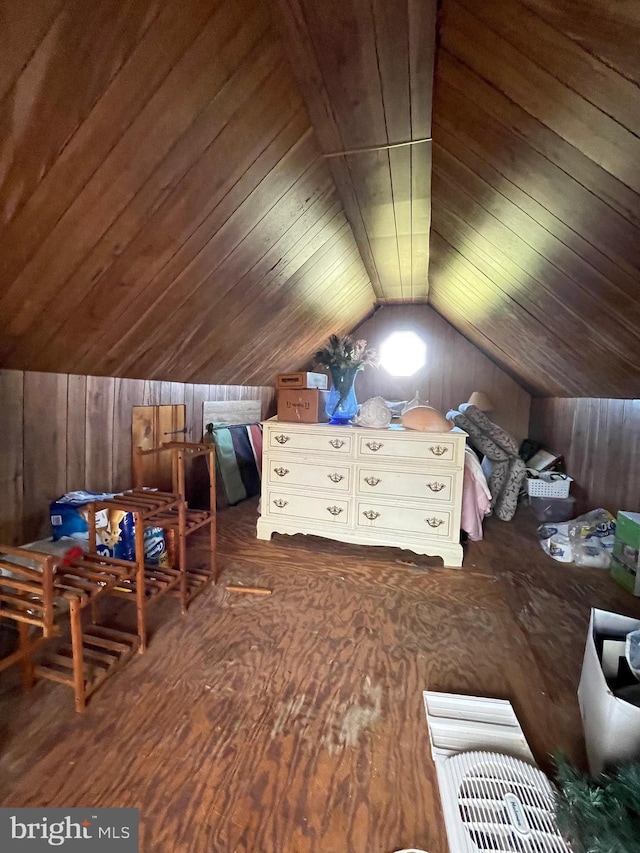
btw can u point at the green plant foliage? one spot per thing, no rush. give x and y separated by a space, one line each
345 352
599 816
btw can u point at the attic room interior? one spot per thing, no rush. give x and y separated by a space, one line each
302 576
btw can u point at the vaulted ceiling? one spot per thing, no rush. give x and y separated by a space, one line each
165 211
535 247
203 190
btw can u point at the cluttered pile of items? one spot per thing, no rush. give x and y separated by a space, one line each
131 545
595 539
547 485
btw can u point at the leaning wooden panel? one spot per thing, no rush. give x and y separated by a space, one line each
12 456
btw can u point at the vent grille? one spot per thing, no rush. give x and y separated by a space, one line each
504 804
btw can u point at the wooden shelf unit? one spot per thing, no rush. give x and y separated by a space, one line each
145 582
88 660
27 598
193 579
43 598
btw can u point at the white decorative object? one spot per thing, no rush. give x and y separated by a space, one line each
493 797
231 412
411 404
373 413
398 487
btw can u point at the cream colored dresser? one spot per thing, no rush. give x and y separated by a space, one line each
369 486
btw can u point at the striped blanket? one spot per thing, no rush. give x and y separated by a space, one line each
239 460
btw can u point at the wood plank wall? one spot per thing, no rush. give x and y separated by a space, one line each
64 432
600 440
453 370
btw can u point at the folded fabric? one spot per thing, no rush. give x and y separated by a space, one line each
476 497
508 470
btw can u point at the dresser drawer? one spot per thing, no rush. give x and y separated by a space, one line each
286 471
319 441
429 521
328 509
392 446
378 482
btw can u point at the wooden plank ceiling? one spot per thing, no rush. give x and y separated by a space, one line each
165 211
535 242
365 70
167 208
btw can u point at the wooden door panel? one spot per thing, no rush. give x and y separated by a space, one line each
150 426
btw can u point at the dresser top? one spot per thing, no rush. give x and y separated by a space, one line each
392 428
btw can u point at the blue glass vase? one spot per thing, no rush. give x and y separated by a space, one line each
341 403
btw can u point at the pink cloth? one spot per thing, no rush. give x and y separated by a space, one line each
476 497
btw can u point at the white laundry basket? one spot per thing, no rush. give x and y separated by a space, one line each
546 487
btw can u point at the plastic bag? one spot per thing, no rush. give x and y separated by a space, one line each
586 540
632 652
592 536
554 539
115 530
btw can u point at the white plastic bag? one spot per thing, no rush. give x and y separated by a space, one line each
554 539
632 652
586 540
592 536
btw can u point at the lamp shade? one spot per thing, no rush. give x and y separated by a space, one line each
481 401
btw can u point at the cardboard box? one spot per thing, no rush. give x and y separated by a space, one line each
611 725
623 574
625 564
303 406
302 380
628 528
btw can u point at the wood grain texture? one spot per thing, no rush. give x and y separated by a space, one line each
454 368
365 71
166 211
63 433
44 449
600 441
177 160
536 191
12 455
294 721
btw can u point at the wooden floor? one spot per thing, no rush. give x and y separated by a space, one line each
294 723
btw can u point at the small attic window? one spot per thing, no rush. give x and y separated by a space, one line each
403 353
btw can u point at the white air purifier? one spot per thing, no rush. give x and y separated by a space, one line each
493 796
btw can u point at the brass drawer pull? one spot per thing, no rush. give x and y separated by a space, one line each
282 438
334 510
337 443
437 450
280 503
435 486
281 472
434 522
371 514
372 481
335 478
374 445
